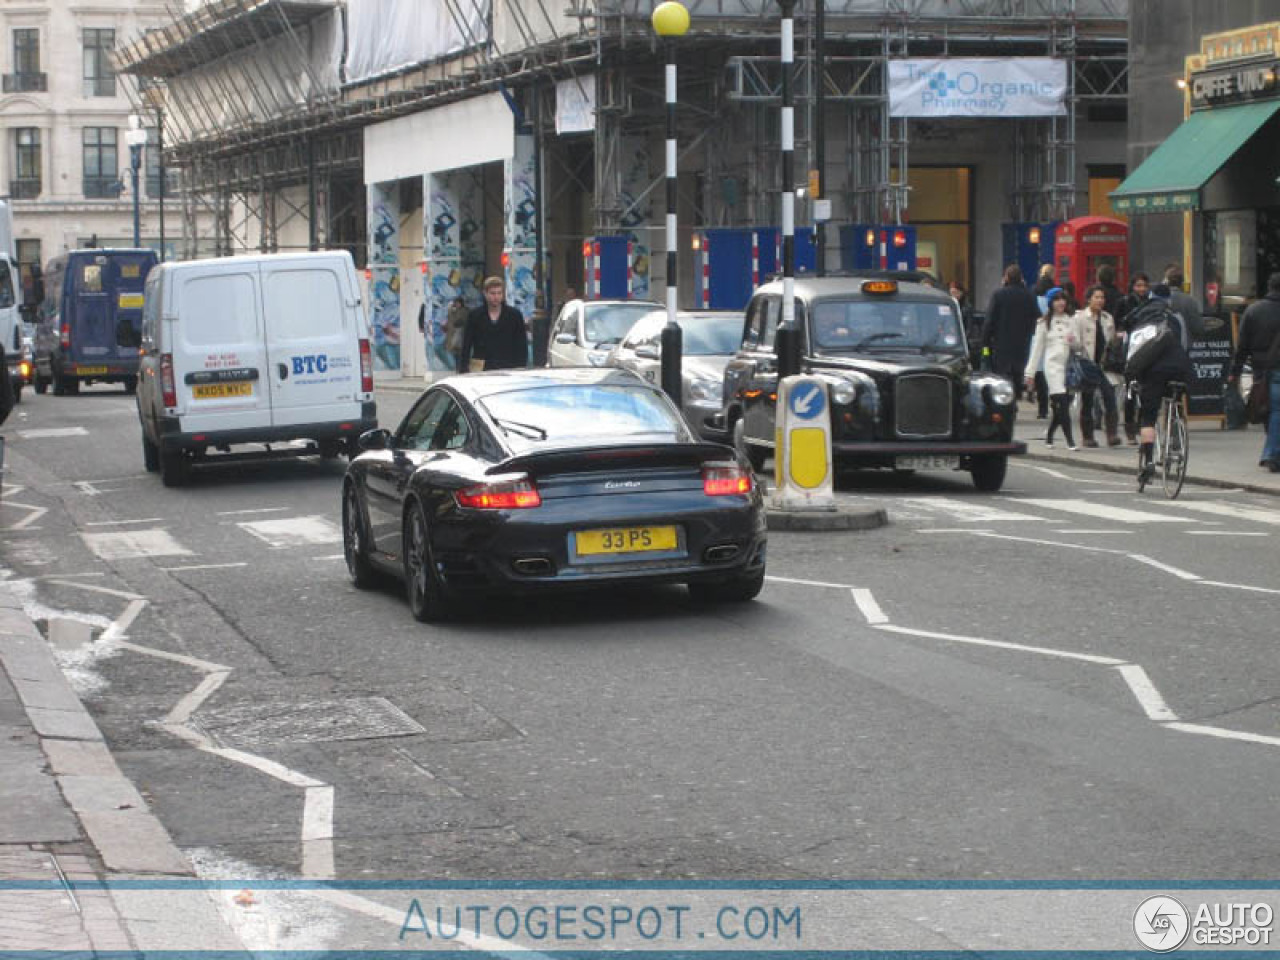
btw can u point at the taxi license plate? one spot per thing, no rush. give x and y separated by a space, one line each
86 371
927 463
209 391
623 540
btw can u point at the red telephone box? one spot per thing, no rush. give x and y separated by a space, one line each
1084 244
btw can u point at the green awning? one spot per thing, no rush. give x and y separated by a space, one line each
1170 179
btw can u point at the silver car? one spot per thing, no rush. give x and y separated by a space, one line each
586 330
709 339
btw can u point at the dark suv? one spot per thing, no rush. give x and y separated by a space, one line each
903 393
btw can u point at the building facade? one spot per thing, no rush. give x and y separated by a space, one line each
65 161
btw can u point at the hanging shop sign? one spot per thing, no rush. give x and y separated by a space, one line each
1242 84
952 87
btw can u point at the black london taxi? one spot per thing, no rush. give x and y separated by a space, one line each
904 395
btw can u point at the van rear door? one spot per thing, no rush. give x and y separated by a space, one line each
312 340
125 276
215 333
88 313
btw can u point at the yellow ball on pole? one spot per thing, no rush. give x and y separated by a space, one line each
670 19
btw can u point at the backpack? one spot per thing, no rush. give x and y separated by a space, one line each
1157 330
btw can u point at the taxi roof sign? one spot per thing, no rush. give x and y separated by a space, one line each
880 286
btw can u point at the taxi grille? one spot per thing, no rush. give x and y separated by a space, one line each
922 406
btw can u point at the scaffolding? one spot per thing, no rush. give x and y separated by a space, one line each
266 128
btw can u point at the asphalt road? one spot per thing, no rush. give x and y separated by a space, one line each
1063 681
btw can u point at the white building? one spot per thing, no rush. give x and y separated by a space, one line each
65 158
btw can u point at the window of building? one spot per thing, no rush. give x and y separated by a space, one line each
26 74
28 252
26 164
99 81
101 173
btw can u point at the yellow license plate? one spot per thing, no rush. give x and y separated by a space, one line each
129 301
209 391
626 540
86 371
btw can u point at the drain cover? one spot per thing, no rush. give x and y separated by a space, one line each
311 721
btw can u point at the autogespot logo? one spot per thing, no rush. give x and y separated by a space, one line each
1161 924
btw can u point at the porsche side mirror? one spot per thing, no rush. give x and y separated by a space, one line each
379 439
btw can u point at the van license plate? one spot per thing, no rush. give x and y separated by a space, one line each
593 543
87 371
210 391
926 463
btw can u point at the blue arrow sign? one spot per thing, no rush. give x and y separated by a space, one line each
807 400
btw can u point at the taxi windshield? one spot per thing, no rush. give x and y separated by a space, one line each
840 326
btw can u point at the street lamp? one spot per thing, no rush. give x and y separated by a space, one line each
136 138
671 20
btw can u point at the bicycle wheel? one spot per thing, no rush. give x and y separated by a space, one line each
1174 463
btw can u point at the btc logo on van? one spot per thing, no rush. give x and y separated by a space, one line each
318 363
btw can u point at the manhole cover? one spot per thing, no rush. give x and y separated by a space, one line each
311 721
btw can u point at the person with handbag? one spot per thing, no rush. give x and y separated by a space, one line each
1054 342
1095 329
1260 342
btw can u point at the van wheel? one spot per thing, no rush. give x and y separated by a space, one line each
175 468
150 454
130 384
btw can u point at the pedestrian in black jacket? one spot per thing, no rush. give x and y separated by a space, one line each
1106 278
1260 342
495 336
1011 322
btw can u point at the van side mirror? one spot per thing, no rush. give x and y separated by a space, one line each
379 439
647 351
565 338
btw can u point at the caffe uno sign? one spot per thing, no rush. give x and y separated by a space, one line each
1238 66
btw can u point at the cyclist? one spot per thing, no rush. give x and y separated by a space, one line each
1173 364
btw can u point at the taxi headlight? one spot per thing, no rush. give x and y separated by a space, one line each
707 390
843 393
1001 392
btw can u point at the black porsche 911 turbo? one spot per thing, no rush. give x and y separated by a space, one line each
520 481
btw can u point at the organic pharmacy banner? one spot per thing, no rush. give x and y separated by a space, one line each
1012 87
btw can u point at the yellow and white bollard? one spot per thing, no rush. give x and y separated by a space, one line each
802 455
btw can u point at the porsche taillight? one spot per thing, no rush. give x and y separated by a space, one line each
725 480
509 495
168 393
366 367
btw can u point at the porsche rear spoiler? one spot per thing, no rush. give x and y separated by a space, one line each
620 456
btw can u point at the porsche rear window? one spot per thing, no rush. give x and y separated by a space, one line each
582 410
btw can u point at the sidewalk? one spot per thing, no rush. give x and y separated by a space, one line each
70 821
1218 458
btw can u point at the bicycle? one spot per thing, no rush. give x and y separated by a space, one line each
1171 449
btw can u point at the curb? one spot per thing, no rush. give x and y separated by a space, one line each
129 838
1131 470
841 518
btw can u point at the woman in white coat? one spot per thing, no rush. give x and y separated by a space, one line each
1094 330
1054 340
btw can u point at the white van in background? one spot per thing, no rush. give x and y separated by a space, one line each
253 349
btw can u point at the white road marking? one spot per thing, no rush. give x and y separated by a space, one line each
1229 533
867 604
26 522
133 544
317 832
1145 692
188 705
238 513
122 623
333 556
809 583
1182 574
974 511
1092 532
123 594
202 665
1102 511
204 566
1046 470
294 531
67 576
1252 514
1238 586
1002 645
115 523
42 433
1050 543
1224 733
87 488
951 530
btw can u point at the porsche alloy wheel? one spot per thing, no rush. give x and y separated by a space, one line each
355 546
421 583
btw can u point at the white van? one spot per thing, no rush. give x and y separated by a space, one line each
253 349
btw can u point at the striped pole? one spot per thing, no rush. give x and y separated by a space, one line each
671 20
788 336
755 258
